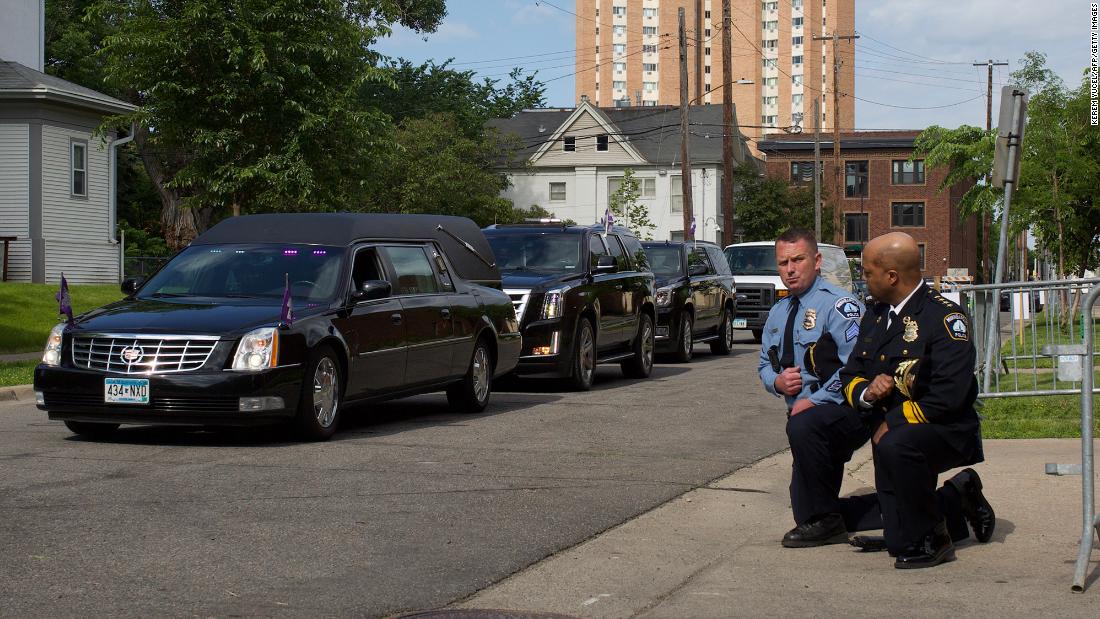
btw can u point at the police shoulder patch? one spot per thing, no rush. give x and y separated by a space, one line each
847 307
833 387
957 326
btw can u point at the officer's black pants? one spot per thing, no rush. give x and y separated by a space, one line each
908 461
822 441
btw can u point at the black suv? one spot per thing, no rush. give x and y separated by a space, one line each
696 297
583 296
266 318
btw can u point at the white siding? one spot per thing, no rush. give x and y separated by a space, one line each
75 228
585 129
15 198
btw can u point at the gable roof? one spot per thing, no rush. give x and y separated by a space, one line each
652 132
587 108
19 82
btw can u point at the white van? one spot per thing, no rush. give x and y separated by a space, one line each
758 283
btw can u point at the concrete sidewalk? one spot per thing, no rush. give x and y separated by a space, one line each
714 552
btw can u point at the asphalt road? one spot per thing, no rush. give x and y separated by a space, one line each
409 507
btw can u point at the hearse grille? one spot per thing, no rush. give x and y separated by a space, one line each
519 298
129 354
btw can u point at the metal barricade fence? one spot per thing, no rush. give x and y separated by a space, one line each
1043 346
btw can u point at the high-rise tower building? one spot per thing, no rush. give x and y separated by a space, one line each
628 55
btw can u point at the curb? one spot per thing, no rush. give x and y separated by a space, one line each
17 392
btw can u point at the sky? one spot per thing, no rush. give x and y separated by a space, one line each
913 61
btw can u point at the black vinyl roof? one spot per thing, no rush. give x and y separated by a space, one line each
474 262
551 227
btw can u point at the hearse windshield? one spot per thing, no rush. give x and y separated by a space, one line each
545 253
665 261
752 260
249 271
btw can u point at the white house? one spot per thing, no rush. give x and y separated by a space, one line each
55 175
571 160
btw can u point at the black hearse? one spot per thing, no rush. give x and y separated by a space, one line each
696 297
380 306
583 296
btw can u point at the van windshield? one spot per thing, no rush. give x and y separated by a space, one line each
249 270
752 260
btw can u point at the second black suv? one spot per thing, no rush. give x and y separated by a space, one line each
696 297
583 296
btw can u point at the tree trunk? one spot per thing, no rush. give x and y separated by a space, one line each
179 224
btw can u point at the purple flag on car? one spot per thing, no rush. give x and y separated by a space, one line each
287 315
608 220
64 301
693 227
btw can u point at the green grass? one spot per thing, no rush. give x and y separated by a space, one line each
17 373
1055 416
30 311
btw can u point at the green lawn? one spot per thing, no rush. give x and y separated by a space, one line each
17 373
30 311
1057 416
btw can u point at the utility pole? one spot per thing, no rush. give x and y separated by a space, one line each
817 167
836 123
983 253
685 162
727 126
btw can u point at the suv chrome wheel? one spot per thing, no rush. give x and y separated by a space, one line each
325 391
584 364
319 406
724 344
471 394
686 341
641 364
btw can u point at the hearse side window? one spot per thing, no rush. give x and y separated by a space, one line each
634 248
718 261
413 272
596 249
441 268
366 267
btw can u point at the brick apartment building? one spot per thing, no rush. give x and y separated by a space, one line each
882 191
628 55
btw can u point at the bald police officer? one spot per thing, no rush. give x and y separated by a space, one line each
807 338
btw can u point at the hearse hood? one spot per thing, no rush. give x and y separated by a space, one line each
198 316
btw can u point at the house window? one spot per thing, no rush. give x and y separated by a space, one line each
855 227
771 43
769 6
619 48
796 59
771 81
706 69
618 10
796 79
796 4
770 25
802 172
766 100
619 66
706 14
649 66
649 30
796 99
601 142
647 187
796 22
569 144
618 29
706 32
907 172
706 51
649 12
557 192
649 103
649 49
676 194
769 120
706 87
79 176
907 214
618 85
649 86
796 40
855 179
771 63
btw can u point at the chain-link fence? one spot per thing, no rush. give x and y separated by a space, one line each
142 266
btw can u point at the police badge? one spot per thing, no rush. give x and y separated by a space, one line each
809 320
905 376
910 334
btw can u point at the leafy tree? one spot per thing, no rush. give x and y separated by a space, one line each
767 207
629 213
436 168
250 105
429 88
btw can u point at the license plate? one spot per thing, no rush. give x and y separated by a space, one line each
126 390
740 323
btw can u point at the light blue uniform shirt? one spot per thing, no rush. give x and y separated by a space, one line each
835 311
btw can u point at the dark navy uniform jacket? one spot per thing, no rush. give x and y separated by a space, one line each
928 350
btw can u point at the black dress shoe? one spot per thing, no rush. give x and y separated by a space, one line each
869 543
978 511
934 549
828 529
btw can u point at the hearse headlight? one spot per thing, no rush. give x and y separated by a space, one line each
664 296
258 350
52 354
552 303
